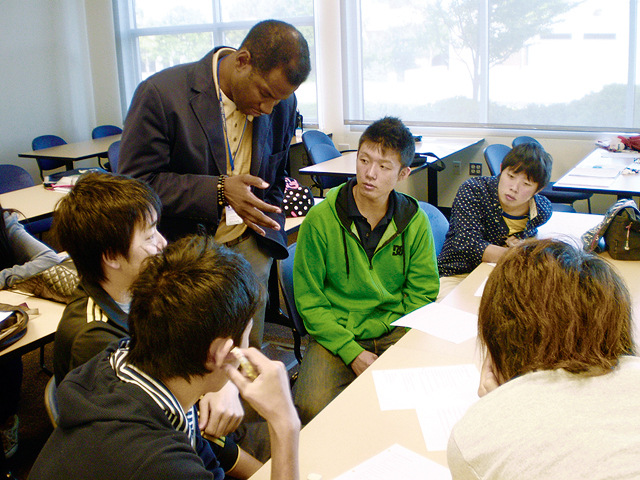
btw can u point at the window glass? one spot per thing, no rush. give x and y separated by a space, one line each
242 10
560 63
158 52
164 13
156 34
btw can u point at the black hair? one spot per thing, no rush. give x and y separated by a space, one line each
184 298
274 44
531 159
391 134
99 216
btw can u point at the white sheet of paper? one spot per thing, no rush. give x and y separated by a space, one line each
437 423
442 321
620 156
440 395
397 463
406 388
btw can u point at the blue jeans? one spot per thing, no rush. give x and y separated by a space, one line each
324 375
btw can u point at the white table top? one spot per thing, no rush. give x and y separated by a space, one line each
75 151
32 202
346 164
40 328
585 177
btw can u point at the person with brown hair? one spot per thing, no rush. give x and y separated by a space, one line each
559 382
130 412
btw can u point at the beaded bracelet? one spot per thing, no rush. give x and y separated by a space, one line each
222 200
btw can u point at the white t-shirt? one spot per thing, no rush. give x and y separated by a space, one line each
553 425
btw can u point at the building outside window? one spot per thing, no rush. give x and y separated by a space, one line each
561 64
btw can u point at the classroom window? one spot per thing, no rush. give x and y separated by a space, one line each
152 35
560 64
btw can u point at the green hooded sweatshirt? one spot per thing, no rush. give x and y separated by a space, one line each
342 296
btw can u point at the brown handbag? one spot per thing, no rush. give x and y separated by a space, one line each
56 283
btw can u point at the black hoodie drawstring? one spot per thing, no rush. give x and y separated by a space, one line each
346 254
404 257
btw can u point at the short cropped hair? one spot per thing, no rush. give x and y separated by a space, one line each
533 160
273 44
389 133
548 305
184 298
99 217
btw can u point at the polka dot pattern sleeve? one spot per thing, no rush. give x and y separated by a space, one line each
476 222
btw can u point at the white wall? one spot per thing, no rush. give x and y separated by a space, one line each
48 70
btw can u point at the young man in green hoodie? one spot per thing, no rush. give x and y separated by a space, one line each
364 258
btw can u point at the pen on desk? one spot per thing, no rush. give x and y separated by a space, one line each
246 367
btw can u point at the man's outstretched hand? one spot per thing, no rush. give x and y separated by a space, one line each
237 191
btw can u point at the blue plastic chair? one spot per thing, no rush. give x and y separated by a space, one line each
285 276
320 148
439 224
51 401
13 177
101 132
556 196
46 141
493 155
105 131
112 155
524 139
316 137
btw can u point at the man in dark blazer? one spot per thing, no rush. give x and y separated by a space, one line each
212 139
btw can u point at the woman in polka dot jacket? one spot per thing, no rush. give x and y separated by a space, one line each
491 214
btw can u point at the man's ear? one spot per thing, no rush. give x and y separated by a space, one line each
404 173
243 59
111 261
219 350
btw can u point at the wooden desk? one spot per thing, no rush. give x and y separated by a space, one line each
72 152
33 202
624 186
41 328
442 147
